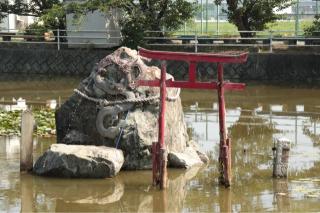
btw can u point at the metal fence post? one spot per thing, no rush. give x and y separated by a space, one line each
58 38
207 16
217 19
270 37
201 26
196 42
297 19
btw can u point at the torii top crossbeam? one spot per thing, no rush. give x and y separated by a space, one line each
227 57
193 59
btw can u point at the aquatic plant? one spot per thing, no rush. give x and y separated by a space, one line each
10 122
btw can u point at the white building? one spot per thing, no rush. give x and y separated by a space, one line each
96 29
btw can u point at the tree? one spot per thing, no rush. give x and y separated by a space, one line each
50 9
33 8
140 16
314 29
51 13
2 15
54 18
253 15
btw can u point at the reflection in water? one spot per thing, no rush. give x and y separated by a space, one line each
9 146
112 195
225 200
281 195
27 193
253 122
36 89
257 131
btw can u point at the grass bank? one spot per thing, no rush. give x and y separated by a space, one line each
287 28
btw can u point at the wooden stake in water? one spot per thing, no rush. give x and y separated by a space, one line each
26 144
281 157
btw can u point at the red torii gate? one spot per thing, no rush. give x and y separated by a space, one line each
159 155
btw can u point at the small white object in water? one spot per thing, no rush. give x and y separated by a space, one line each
259 109
256 110
52 104
281 194
276 108
21 102
21 105
194 107
299 108
215 106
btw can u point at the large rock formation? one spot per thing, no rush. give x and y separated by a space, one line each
79 161
109 109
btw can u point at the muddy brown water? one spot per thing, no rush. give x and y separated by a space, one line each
254 118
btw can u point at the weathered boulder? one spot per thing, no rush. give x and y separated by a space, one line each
78 161
109 109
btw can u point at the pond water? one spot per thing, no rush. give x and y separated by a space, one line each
255 117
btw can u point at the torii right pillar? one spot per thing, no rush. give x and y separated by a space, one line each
225 142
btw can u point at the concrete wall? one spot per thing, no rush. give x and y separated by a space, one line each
49 61
278 67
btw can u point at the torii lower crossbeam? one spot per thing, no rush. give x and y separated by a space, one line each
159 154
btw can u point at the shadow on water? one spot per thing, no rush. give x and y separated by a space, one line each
254 118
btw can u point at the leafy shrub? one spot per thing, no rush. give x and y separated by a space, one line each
35 30
11 120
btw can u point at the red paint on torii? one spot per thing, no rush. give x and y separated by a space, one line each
159 155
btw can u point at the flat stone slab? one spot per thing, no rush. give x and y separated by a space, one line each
186 159
79 161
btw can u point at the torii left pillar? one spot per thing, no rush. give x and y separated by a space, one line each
159 152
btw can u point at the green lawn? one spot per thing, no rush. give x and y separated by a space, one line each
287 28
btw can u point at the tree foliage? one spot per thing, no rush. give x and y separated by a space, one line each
140 16
36 8
314 29
32 8
137 16
54 18
253 15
